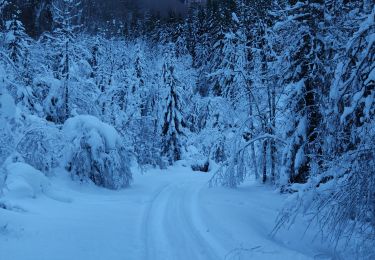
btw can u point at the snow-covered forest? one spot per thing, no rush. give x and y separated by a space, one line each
268 104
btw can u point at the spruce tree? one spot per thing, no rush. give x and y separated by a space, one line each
17 41
173 124
66 23
304 73
18 45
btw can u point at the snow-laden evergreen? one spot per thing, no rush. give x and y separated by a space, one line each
96 152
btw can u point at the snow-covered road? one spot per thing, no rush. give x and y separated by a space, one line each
164 215
172 227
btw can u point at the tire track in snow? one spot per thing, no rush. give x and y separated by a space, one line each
147 223
195 245
170 230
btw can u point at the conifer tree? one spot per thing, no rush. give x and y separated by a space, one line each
304 74
18 45
17 41
66 23
173 123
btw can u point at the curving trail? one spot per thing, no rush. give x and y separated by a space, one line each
184 219
166 214
170 225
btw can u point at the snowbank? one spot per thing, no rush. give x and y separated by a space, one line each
23 181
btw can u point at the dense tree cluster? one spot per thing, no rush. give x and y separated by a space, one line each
282 90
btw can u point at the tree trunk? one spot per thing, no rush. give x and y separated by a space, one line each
252 147
264 161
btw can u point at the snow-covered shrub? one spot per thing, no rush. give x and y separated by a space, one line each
45 90
23 181
7 114
40 145
202 167
96 153
215 120
146 143
341 201
37 141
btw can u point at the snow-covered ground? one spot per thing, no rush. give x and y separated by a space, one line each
170 214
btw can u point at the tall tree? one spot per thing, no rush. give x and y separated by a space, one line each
18 45
173 124
304 75
67 15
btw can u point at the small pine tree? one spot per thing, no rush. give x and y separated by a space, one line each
16 40
66 19
172 130
138 90
18 44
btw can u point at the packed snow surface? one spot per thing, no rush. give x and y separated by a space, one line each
170 214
